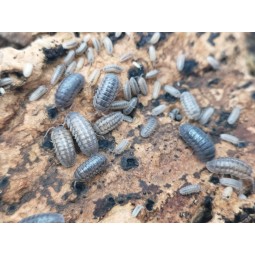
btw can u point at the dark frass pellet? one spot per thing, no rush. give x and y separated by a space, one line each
128 163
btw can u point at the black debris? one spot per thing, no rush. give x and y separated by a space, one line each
128 163
253 95
78 187
105 144
52 112
53 54
214 81
136 72
214 180
198 34
245 85
189 67
242 144
114 39
77 34
212 37
4 182
149 204
145 37
168 98
47 143
103 206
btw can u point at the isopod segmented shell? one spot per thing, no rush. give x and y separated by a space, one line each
206 115
128 119
190 189
119 105
126 56
180 62
158 109
214 63
38 93
5 82
69 57
156 90
143 86
80 63
90 56
96 44
108 45
121 146
151 74
155 38
94 76
44 218
227 192
152 53
236 184
137 210
71 68
70 44
172 91
149 127
112 69
134 86
131 106
234 115
58 73
127 91
81 49
229 138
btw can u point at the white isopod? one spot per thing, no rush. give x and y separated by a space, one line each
112 69
96 44
118 34
214 63
81 49
156 90
94 76
69 57
155 38
158 109
86 38
234 115
172 91
71 68
227 192
229 138
108 45
27 70
38 93
70 44
180 62
190 189
58 73
151 74
121 146
2 92
80 63
236 184
6 82
137 210
90 56
143 86
206 115
152 53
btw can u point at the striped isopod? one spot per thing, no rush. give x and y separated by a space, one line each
96 44
80 63
127 91
126 56
86 38
214 63
137 210
90 56
234 115
108 122
190 189
106 93
152 53
190 105
94 76
58 73
155 38
38 93
2 91
128 118
108 45
158 109
68 89
81 49
180 62
83 132
156 90
64 146
199 141
152 74
131 106
206 115
118 34
121 146
119 105
134 86
71 68
149 127
27 70
143 86
69 44
5 82
227 193
236 184
112 69
90 168
44 218
172 91
69 57
229 138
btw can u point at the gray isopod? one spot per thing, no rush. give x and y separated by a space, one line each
83 132
214 63
158 109
58 73
27 70
172 91
137 210
106 93
90 56
68 90
236 184
134 86
199 141
108 45
119 105
229 138
128 119
149 128
152 53
155 38
180 62
5 82
131 106
151 74
70 44
71 68
94 76
126 56
190 105
190 189
108 122
227 193
121 146
156 90
81 49
96 44
206 115
127 91
80 63
44 218
112 69
38 93
143 86
234 115
69 57
90 168
64 146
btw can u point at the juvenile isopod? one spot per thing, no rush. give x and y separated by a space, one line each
108 45
131 106
199 141
112 69
38 93
229 138
71 68
27 70
106 93
158 109
206 115
137 210
134 86
155 38
119 105
68 89
5 82
190 189
64 146
236 184
90 168
90 56
126 56
127 91
69 57
214 63
118 34
156 90
44 218
81 49
151 74
143 86
190 105
180 62
121 146
152 53
96 44
149 128
227 193
2 91
108 122
234 115
172 91
58 73
70 44
80 63
94 76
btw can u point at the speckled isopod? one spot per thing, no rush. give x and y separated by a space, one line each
44 218
121 146
149 128
190 189
90 55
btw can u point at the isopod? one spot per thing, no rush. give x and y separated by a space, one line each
64 146
38 93
180 62
94 76
242 197
137 210
152 53
70 44
112 69
206 115
214 63
158 109
236 184
90 168
121 146
68 89
126 57
190 105
234 115
199 141
108 122
96 44
119 105
155 38
151 74
131 106
58 73
83 132
90 55
230 138
27 70
86 38
127 91
108 45
5 82
143 86
80 63
2 91
156 90
148 129
44 218
81 49
134 86
71 68
172 91
69 57
227 193
190 189
118 34
106 93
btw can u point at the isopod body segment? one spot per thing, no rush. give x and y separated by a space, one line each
38 93
44 218
190 189
149 128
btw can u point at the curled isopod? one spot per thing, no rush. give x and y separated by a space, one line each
127 91
152 53
151 74
38 93
172 91
126 56
69 57
190 105
108 45
6 82
199 141
128 119
229 138
121 146
71 68
90 168
134 86
80 63
68 90
227 193
58 73
158 109
83 132
234 115
112 69
96 44
90 56
131 106
27 70
236 184
118 34
155 38
81 49
106 93
44 218
137 210
190 189
180 62
143 86
119 105
214 63
108 122
156 90
70 44
64 146
94 76
149 128
206 115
